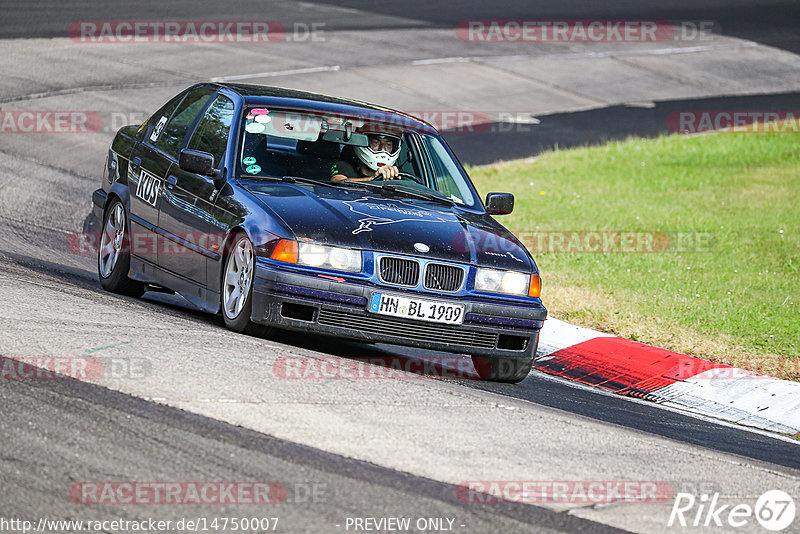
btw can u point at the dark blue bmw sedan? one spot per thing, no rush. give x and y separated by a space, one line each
306 212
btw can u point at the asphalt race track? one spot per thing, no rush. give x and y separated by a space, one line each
184 400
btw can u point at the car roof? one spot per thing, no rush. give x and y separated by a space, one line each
255 95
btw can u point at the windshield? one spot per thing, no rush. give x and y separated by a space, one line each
277 143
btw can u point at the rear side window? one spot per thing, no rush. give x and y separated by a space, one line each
168 136
211 134
148 127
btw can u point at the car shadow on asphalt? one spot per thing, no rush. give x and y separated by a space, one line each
334 358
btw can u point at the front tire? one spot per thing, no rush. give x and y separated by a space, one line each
114 253
508 370
237 286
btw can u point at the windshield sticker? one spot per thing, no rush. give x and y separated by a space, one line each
158 129
263 119
255 128
249 160
259 111
253 169
379 214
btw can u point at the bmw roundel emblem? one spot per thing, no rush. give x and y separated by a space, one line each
421 247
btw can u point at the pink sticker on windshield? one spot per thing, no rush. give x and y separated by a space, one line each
259 111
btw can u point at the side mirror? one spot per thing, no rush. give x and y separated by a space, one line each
499 203
197 162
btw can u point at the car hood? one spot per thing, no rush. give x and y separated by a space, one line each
362 219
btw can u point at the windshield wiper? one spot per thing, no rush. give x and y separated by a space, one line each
419 194
361 184
311 181
291 180
392 188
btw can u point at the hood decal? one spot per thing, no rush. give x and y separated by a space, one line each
507 254
378 214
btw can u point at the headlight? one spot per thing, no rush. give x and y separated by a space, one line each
339 259
510 282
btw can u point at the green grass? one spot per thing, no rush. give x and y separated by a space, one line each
737 295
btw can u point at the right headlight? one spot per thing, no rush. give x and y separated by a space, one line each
336 258
508 282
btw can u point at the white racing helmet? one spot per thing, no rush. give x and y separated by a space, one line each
382 150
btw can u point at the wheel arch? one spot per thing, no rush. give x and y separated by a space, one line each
120 192
256 236
226 244
112 196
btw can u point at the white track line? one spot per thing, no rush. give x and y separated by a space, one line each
309 70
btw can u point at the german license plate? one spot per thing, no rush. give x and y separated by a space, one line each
413 308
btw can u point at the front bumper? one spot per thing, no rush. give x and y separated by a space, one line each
94 221
310 303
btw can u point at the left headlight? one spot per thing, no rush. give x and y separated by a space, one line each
509 282
336 258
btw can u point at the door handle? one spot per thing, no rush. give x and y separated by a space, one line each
136 162
171 181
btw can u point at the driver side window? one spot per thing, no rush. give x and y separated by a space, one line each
408 160
211 134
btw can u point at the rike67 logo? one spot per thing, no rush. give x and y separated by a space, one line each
774 511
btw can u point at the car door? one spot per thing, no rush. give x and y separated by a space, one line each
157 154
188 210
145 174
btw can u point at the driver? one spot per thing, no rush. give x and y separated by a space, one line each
371 162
